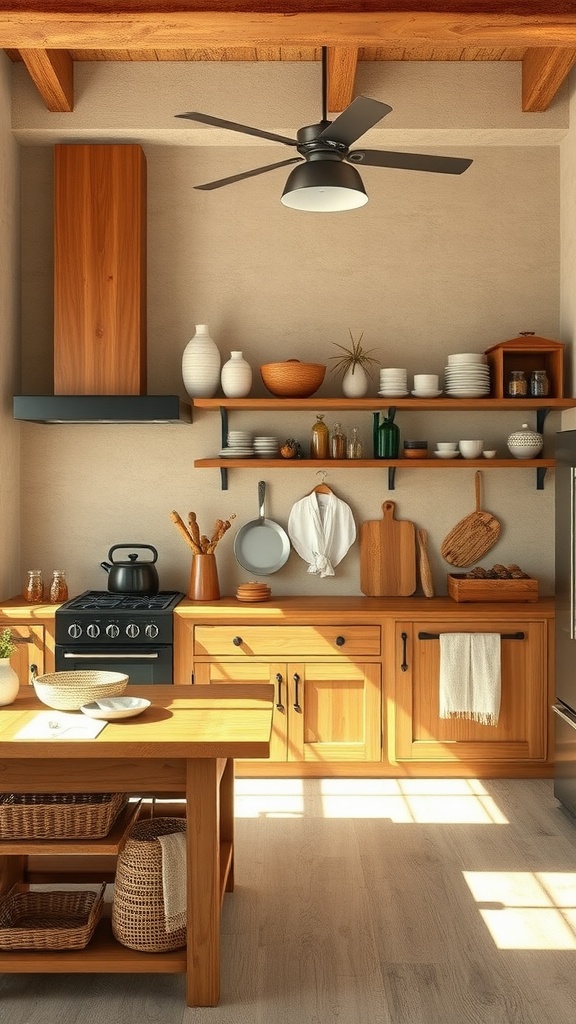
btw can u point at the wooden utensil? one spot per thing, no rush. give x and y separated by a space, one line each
387 555
473 536
425 571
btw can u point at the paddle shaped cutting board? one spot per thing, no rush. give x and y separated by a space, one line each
387 555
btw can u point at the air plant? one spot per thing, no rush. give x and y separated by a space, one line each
354 356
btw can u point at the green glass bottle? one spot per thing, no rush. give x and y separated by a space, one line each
386 435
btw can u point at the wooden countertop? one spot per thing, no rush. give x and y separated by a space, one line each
357 607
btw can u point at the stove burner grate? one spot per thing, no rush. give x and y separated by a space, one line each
103 600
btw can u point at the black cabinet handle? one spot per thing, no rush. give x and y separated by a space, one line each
237 641
22 639
279 703
296 679
340 641
404 665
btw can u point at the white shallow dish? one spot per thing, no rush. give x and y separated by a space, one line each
446 455
393 394
426 394
112 708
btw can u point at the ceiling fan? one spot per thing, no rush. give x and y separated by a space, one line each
325 181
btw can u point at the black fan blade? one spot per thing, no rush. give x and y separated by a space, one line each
234 127
363 113
409 161
245 174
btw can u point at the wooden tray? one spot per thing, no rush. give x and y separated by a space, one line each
462 589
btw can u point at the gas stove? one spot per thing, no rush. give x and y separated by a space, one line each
100 617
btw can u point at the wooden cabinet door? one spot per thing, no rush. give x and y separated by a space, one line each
334 712
254 672
521 730
29 650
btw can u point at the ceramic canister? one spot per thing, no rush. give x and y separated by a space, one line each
525 443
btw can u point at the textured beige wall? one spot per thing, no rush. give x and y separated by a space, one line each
568 250
432 265
9 354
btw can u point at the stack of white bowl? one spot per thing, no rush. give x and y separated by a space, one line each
239 445
467 375
393 382
267 447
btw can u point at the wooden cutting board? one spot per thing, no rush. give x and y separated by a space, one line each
387 555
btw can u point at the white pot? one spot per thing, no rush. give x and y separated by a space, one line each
201 364
9 682
236 376
525 443
355 382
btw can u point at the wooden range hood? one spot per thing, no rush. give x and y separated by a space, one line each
100 292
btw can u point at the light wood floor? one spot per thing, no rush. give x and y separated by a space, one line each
370 902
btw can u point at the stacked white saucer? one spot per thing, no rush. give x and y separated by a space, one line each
393 382
239 445
267 447
467 375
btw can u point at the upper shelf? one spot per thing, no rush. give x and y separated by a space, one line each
373 404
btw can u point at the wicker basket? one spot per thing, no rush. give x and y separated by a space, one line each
59 919
58 815
68 691
292 379
138 919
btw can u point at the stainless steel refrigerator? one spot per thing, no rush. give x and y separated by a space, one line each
565 704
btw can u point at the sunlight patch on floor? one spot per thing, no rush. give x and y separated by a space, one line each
526 910
270 798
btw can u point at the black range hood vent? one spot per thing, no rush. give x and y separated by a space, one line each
101 409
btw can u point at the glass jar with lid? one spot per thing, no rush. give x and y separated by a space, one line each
354 446
539 384
517 384
58 587
337 443
34 586
320 448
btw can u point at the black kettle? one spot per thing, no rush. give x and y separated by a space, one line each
132 577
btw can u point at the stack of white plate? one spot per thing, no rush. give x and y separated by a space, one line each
393 382
467 375
239 445
267 447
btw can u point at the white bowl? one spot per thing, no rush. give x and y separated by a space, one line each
426 394
447 455
489 454
471 449
446 446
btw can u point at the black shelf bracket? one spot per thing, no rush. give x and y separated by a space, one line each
391 477
541 415
540 475
224 443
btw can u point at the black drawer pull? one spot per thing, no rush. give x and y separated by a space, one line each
237 641
296 679
503 636
22 639
404 665
279 703
340 641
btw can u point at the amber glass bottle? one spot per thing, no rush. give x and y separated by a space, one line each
320 447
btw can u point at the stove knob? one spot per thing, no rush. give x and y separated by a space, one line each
75 630
132 630
93 630
151 631
112 630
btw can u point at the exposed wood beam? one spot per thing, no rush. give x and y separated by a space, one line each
52 72
342 63
190 24
543 72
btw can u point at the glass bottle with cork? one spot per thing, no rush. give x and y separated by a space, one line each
320 446
34 586
337 443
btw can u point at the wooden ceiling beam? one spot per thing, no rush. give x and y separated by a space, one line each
193 24
342 63
543 72
52 72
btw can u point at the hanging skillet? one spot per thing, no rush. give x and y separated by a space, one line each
325 149
262 546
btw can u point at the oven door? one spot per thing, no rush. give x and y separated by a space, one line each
143 665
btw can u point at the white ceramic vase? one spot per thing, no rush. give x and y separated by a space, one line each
355 382
236 376
9 682
201 364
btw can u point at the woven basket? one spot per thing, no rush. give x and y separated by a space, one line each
68 691
292 379
58 815
62 919
138 919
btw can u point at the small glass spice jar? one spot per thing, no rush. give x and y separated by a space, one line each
539 384
354 449
337 443
58 587
517 384
320 448
34 586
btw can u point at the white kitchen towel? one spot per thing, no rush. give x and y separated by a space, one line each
322 529
470 676
174 879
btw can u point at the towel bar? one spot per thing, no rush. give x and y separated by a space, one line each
503 636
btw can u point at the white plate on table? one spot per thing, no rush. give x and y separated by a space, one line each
113 708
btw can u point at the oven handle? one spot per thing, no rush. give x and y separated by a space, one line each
564 715
112 657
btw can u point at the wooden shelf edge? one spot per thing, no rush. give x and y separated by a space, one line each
431 463
444 403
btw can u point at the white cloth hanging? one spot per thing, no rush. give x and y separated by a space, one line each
321 528
470 676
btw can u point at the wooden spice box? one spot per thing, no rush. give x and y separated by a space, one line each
460 588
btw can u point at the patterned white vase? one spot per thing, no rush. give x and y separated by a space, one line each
201 364
355 382
9 682
236 377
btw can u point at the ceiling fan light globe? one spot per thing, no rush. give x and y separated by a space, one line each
324 186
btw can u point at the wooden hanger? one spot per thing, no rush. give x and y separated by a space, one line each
321 488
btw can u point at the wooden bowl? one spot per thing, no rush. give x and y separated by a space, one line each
292 379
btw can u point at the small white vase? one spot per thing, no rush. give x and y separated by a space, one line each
201 364
236 376
355 382
9 682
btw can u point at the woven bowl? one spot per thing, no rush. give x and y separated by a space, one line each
292 379
68 691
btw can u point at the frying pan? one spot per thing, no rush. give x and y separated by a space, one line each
261 546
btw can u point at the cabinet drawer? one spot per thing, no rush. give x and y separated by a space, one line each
287 641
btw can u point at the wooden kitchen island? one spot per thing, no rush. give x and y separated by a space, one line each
183 744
